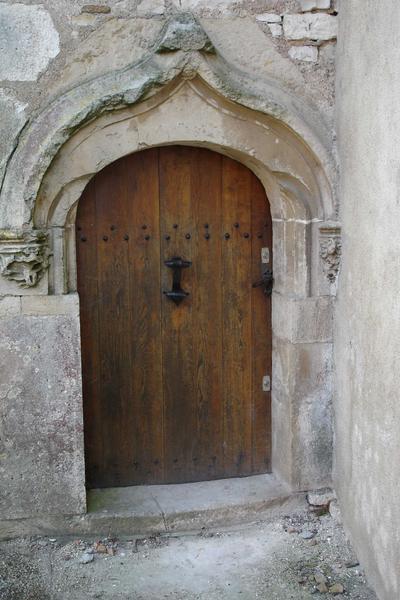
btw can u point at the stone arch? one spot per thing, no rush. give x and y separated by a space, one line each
186 94
282 162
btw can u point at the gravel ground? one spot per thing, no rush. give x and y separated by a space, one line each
298 556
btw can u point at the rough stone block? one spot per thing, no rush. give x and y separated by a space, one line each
335 512
275 29
84 20
321 497
28 41
205 5
304 53
317 27
314 4
96 9
269 18
13 118
41 444
67 304
327 53
9 306
303 321
302 390
151 7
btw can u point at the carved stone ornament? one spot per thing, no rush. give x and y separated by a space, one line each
183 32
24 256
330 252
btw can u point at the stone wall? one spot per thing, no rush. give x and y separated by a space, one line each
49 50
367 472
51 46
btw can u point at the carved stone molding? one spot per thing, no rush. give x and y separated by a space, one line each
184 33
330 251
24 256
181 51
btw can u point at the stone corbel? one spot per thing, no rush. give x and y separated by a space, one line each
24 256
330 251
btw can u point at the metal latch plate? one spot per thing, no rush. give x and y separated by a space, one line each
266 383
265 255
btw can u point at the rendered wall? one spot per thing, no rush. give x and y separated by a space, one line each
367 471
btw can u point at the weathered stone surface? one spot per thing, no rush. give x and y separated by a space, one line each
85 20
28 41
41 442
334 511
314 4
367 353
316 26
336 588
327 54
13 118
24 256
330 254
302 409
183 32
94 57
269 18
305 320
261 58
217 6
96 9
66 304
9 306
151 7
276 29
304 53
321 497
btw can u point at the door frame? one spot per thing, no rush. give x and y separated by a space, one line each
85 129
301 308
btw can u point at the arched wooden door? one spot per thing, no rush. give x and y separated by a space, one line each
173 383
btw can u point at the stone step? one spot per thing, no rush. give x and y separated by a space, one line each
175 508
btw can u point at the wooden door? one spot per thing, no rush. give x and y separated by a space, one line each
174 392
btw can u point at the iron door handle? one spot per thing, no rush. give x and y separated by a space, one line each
266 282
177 294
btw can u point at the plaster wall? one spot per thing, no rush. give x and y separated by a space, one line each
367 332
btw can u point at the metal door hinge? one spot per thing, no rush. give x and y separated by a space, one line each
266 383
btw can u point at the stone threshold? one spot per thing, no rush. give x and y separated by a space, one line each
164 509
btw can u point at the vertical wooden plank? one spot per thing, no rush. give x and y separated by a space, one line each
86 256
114 325
176 223
207 311
146 402
261 228
236 300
